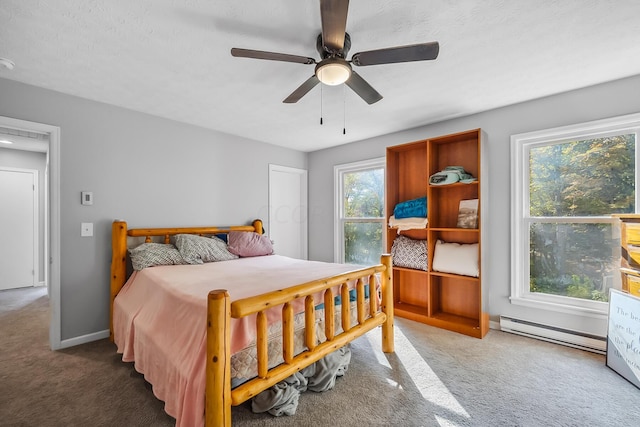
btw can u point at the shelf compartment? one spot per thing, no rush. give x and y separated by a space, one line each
452 296
443 204
454 150
405 174
410 286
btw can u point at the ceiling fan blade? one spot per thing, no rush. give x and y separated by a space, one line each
414 52
334 23
363 89
302 90
272 56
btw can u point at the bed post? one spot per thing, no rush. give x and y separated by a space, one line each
118 264
217 410
387 304
257 224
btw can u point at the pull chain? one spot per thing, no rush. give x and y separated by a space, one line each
321 100
344 109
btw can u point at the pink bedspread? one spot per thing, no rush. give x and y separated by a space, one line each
159 320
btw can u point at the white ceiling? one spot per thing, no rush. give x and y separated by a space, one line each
171 58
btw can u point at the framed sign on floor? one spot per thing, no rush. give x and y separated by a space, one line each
623 336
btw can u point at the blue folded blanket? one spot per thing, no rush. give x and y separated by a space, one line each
416 208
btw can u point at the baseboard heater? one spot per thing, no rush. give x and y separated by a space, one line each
575 339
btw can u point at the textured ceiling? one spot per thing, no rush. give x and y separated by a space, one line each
171 58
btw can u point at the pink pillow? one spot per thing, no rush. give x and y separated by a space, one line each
248 243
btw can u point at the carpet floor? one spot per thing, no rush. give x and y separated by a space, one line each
435 378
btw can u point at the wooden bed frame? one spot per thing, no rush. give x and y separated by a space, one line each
219 397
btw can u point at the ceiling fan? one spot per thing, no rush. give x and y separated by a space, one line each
333 44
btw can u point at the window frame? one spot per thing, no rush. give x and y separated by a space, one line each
521 145
339 218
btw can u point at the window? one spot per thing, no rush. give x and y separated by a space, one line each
359 225
566 184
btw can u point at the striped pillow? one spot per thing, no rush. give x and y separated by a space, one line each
152 254
198 250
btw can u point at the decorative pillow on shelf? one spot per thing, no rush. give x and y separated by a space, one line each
248 244
409 253
198 249
456 258
152 254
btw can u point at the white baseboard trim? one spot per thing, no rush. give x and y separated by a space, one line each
83 339
553 334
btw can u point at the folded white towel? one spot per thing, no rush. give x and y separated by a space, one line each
407 223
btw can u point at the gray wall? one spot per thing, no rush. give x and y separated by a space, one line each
144 169
30 160
155 172
596 102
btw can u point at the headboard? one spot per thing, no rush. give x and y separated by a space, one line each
120 235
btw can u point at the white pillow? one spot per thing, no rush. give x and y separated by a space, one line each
456 258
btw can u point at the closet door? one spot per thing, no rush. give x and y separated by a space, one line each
17 227
287 225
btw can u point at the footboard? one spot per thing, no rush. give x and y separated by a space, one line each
220 397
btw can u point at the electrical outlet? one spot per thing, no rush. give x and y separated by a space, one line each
86 229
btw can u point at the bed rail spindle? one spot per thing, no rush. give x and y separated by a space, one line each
147 239
329 315
373 295
360 300
218 373
345 307
166 239
309 323
262 343
287 332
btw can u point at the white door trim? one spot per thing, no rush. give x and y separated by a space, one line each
303 197
52 219
36 218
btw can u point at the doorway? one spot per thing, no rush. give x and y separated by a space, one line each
32 136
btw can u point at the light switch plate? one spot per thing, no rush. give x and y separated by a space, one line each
86 229
87 198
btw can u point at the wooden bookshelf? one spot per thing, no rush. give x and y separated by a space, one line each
444 300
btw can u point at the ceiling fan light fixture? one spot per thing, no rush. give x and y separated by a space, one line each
333 71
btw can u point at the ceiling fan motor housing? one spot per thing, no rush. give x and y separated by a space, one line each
326 53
